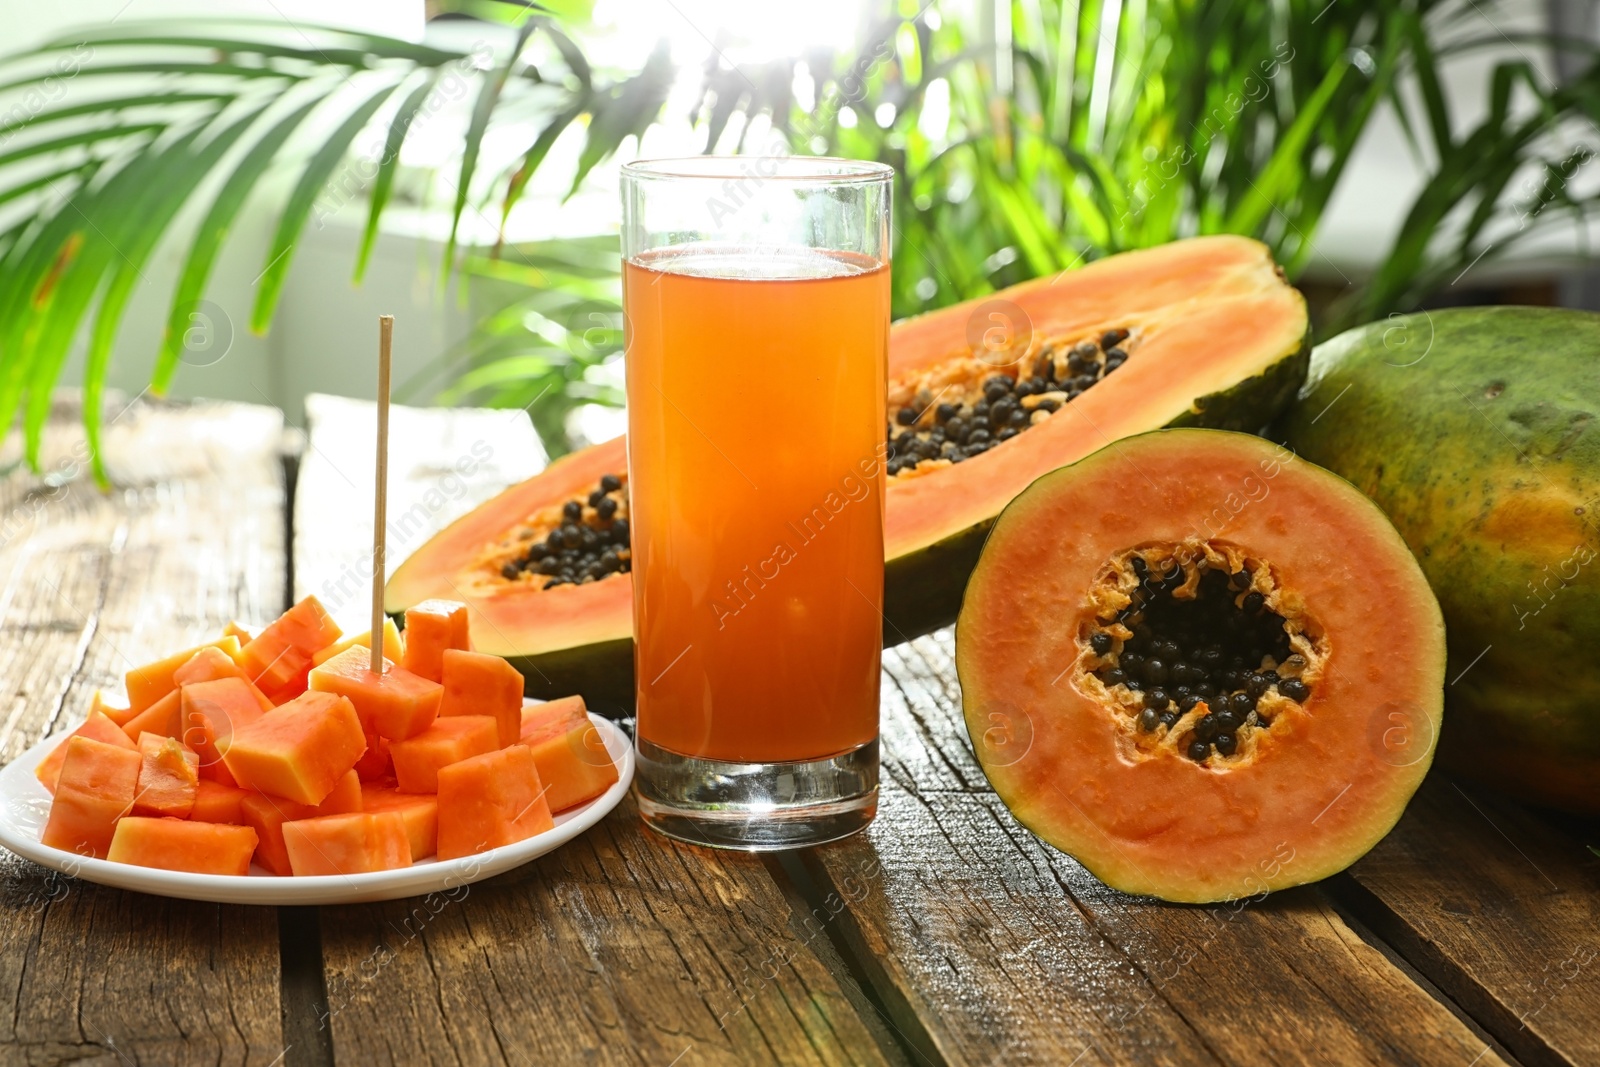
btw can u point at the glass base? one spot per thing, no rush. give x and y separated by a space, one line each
758 807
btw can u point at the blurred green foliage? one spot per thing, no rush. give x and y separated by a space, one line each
1027 138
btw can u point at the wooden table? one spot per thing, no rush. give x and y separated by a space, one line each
946 934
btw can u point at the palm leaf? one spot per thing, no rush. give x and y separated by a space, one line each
212 231
383 181
298 207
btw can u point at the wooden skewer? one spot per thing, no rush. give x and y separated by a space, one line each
380 494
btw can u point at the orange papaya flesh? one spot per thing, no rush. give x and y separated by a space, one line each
420 812
417 761
218 802
97 727
571 756
211 712
180 845
279 657
267 814
357 843
431 627
164 717
392 647
375 763
345 796
476 683
151 682
1203 331
396 704
169 772
298 751
211 664
551 718
95 788
1273 627
490 800
103 703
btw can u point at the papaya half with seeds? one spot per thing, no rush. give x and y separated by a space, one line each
1201 666
1474 429
983 397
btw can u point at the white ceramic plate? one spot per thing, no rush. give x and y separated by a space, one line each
25 805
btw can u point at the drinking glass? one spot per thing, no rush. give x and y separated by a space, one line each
756 292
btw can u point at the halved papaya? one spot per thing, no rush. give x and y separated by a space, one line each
983 398
1203 667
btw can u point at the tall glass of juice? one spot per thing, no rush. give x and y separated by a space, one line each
756 292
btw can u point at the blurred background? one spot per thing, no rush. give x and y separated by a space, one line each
217 197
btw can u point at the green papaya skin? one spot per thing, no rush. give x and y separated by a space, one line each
1474 430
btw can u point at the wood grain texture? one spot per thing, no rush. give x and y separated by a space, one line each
1005 950
1498 908
618 948
91 584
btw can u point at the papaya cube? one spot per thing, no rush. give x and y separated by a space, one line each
150 683
345 796
233 629
420 812
476 683
97 727
298 751
573 762
375 763
117 713
391 644
168 774
177 845
267 815
279 657
347 844
218 802
395 704
95 788
212 664
546 720
431 627
212 711
163 718
490 800
417 761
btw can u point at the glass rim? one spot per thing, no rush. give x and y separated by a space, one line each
797 170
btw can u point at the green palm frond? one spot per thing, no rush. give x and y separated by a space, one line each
1090 128
224 114
546 344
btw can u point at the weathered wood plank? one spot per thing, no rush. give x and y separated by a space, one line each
91 584
619 948
1008 951
1499 909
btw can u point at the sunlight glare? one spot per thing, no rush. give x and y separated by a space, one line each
744 32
